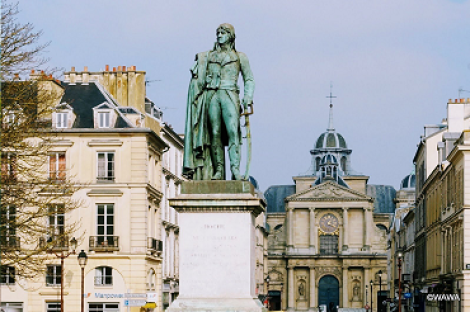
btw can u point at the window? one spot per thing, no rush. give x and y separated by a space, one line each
56 225
52 306
106 166
8 167
53 275
9 118
8 226
12 306
103 276
105 224
103 307
61 120
103 119
328 244
57 166
7 275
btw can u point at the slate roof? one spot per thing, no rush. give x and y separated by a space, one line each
384 196
275 196
83 98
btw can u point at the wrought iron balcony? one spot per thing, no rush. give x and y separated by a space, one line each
54 243
104 243
154 245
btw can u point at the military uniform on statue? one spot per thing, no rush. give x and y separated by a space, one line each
217 217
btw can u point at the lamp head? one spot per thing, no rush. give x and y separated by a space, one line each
379 273
82 259
73 243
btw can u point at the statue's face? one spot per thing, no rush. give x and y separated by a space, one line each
222 36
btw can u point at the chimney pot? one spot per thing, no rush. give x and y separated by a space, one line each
85 69
114 69
119 68
107 67
134 68
461 100
450 101
73 68
32 71
124 68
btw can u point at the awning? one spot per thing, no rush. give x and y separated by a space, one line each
150 305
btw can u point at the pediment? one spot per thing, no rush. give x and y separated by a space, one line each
329 191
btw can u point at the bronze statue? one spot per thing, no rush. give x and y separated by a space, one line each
213 109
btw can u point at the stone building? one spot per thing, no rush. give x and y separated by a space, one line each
109 140
171 182
441 216
328 237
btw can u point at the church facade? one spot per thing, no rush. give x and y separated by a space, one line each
328 239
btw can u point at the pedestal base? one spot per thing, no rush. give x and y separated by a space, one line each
216 305
217 247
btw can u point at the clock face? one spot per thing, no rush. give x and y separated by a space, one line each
329 223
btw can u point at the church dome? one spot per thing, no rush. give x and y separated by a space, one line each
409 182
330 139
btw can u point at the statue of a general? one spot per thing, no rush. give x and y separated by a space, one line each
213 109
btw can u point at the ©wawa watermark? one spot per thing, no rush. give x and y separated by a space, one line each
443 297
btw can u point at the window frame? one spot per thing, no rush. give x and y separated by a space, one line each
8 231
54 275
104 307
102 121
49 307
106 170
102 238
57 174
106 277
9 165
7 275
327 246
61 120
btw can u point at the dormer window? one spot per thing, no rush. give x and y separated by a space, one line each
104 115
104 119
63 117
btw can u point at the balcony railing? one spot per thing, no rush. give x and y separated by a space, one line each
104 243
10 243
54 243
154 245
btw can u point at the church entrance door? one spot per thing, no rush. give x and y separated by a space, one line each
328 291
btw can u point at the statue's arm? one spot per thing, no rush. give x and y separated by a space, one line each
248 79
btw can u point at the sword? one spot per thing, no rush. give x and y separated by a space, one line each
247 113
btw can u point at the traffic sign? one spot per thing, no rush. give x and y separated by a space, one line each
134 303
407 295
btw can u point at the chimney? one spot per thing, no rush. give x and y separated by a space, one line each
107 68
124 68
119 68
17 76
455 116
73 69
73 76
85 76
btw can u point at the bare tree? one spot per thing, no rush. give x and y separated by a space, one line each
36 189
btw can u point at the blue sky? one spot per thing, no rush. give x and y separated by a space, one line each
393 64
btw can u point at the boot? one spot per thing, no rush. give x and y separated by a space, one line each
217 156
234 155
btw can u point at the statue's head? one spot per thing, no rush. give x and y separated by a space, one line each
226 34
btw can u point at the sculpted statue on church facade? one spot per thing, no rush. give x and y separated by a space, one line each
213 110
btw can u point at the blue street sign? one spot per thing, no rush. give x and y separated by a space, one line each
407 295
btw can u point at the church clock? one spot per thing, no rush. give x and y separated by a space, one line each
329 223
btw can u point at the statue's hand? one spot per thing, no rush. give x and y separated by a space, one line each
246 102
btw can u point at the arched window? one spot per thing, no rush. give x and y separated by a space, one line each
344 161
103 276
317 163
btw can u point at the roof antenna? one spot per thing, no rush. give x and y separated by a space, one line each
331 97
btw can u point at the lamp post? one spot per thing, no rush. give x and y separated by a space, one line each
380 291
366 296
63 255
400 256
371 296
82 260
267 289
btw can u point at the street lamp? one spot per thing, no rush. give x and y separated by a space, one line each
371 296
64 253
380 291
400 256
82 260
267 289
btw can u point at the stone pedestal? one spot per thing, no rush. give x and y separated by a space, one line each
217 246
